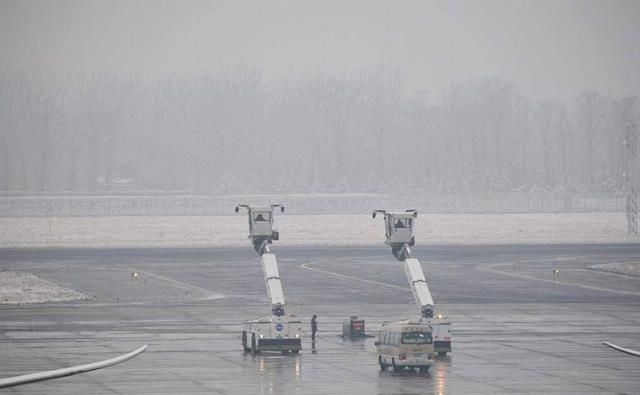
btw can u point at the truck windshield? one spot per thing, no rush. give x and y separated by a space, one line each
416 338
403 223
262 217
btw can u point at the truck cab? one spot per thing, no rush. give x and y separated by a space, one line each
398 231
261 222
261 231
399 228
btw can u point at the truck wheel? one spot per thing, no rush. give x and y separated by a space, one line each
442 354
383 367
295 351
396 368
424 369
254 348
244 342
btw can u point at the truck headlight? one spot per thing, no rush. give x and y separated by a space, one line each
297 335
261 336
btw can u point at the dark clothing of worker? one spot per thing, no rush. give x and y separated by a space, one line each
314 327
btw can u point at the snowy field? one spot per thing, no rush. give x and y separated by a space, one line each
312 230
629 269
24 288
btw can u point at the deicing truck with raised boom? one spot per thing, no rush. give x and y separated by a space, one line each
277 332
411 343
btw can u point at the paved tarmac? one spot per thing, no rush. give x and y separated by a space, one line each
518 328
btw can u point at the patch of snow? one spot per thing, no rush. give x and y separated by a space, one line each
312 230
630 269
25 288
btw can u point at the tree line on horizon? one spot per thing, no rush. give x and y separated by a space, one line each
233 132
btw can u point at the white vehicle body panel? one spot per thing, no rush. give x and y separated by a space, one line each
441 335
260 221
395 234
275 333
393 352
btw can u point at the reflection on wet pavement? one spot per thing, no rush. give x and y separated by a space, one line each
514 331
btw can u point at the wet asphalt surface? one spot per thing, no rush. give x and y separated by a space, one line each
518 328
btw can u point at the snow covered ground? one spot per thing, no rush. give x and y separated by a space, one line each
320 230
630 269
295 230
23 288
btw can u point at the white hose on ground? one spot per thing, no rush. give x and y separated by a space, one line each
622 349
53 374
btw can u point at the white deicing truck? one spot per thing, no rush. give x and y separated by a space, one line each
435 331
277 332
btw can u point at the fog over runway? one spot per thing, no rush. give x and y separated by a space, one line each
130 129
517 328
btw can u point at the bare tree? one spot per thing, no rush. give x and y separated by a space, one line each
339 100
545 118
6 107
499 97
589 113
623 112
453 125
47 99
384 97
563 137
423 140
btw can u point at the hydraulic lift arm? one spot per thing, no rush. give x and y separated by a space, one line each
399 236
272 281
419 287
262 234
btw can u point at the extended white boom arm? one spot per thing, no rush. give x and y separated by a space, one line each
399 236
262 234
419 287
272 281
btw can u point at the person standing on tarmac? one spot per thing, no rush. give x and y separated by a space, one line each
314 327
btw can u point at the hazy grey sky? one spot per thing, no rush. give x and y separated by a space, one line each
548 48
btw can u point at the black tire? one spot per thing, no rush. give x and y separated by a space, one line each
254 348
424 369
383 367
295 351
244 342
396 368
442 353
